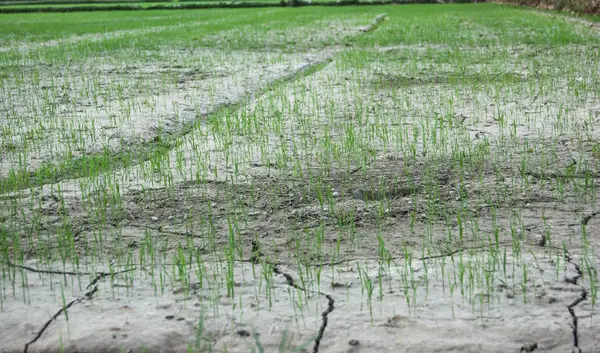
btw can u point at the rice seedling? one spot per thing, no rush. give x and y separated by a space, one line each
444 161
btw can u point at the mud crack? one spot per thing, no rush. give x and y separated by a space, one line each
54 317
52 272
574 303
324 314
587 218
92 288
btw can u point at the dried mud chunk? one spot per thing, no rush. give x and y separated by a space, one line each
393 321
530 347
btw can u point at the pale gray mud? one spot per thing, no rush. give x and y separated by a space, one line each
375 203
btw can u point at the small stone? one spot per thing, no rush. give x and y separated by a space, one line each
243 333
154 218
353 342
170 317
335 194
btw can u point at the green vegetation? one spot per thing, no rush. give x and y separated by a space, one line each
67 5
78 6
451 143
580 6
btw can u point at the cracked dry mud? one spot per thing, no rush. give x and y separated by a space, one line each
276 302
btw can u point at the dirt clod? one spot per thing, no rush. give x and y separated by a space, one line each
530 347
